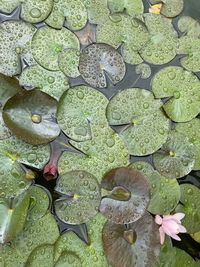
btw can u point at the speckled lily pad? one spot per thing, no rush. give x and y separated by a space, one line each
69 62
147 125
135 245
73 11
189 26
184 89
144 70
165 192
189 205
54 83
78 108
136 188
30 115
80 197
176 158
48 43
99 60
16 43
132 8
170 8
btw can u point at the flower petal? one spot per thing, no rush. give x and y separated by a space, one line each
162 236
176 237
182 229
158 219
170 227
179 216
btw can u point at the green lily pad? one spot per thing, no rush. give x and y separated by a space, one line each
13 214
135 185
54 83
91 254
30 116
80 197
97 60
8 88
147 124
143 70
196 237
136 245
132 8
121 29
163 42
32 12
189 46
16 43
165 192
170 8
48 43
191 131
69 62
189 204
78 108
184 89
176 157
35 233
189 26
68 259
73 11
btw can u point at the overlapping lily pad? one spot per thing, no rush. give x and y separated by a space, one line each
163 42
121 29
16 43
78 108
189 26
183 88
135 189
30 115
50 82
147 126
189 205
73 11
165 192
132 8
80 197
176 158
137 245
48 43
69 62
170 8
99 60
144 70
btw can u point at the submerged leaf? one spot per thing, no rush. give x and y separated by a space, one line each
189 26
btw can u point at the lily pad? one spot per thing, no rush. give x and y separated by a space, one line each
13 216
143 70
132 8
32 12
189 26
121 29
78 108
196 237
68 259
16 44
97 60
161 48
73 11
80 197
48 43
165 192
89 254
30 115
189 205
176 157
170 8
137 245
183 88
69 62
135 185
147 126
54 83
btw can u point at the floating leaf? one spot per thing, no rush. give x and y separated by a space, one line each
132 8
69 62
143 70
163 42
176 158
121 29
68 259
16 43
48 43
133 182
183 88
30 115
80 197
170 8
148 126
87 35
97 60
165 193
13 214
54 83
136 245
189 26
196 236
78 108
88 254
74 12
189 205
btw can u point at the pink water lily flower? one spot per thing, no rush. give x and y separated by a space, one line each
170 225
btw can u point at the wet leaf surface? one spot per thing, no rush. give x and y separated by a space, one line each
170 8
131 8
